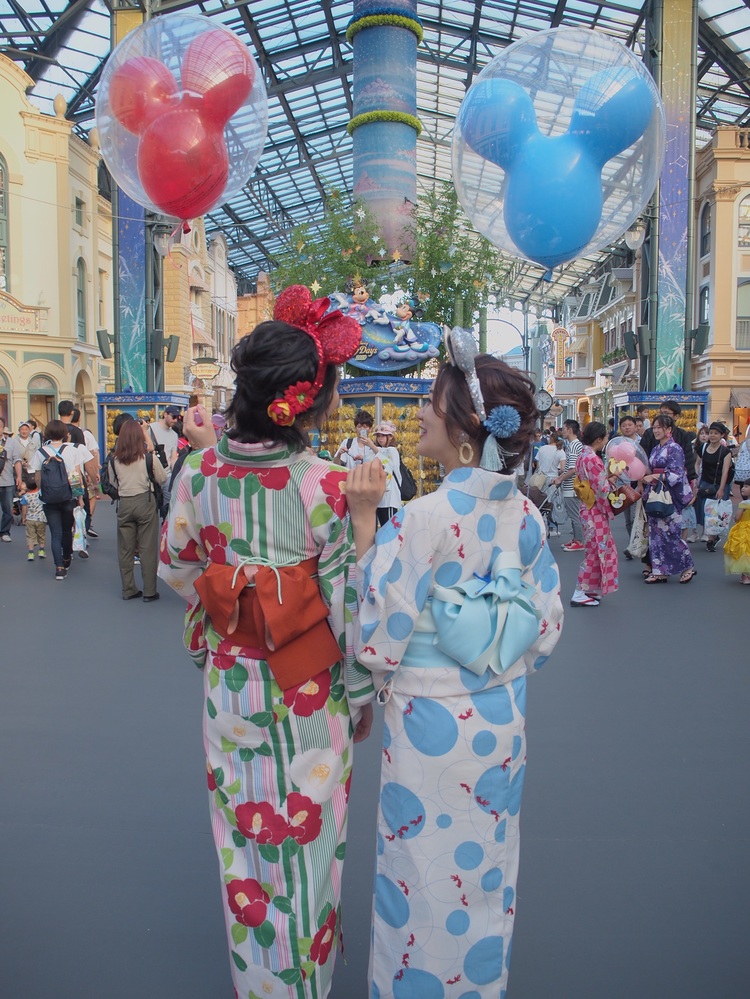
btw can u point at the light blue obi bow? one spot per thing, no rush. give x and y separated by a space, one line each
487 620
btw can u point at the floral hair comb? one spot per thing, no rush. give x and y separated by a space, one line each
336 339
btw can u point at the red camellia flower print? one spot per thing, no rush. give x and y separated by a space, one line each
248 901
332 485
208 463
164 547
223 662
273 478
210 777
215 544
324 939
260 822
190 552
305 820
309 696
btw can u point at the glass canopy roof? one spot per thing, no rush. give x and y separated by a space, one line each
302 50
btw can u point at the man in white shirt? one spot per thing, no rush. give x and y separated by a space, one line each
573 448
355 450
10 478
90 442
164 436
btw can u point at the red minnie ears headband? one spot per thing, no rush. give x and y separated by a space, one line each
336 338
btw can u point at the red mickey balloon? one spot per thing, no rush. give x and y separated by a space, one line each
183 162
139 91
218 67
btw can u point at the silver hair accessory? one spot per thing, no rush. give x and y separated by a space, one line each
461 349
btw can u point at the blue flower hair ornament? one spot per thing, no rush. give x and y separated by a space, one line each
503 422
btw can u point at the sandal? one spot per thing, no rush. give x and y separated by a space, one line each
646 572
586 602
653 578
688 575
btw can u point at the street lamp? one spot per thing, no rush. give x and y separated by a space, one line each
523 337
606 375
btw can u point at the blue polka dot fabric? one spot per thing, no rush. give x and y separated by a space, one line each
454 752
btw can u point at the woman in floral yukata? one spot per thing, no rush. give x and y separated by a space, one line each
459 601
259 542
668 553
597 575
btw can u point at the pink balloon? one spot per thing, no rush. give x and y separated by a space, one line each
637 469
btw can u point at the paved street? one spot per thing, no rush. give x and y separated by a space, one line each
635 822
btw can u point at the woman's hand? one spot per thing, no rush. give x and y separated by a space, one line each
365 485
364 725
198 429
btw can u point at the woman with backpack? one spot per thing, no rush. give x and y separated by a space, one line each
385 436
55 463
139 482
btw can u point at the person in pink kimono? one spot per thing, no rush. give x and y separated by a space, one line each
597 575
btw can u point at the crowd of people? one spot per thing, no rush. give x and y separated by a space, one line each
314 591
695 471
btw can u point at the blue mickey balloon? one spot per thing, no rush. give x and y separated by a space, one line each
549 187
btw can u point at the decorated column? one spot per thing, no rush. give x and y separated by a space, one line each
384 128
678 46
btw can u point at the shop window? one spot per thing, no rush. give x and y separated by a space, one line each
79 213
742 333
743 235
4 279
706 230
81 298
42 400
703 303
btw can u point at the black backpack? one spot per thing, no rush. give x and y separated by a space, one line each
55 486
108 478
407 485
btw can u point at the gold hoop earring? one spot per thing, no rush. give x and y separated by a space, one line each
465 453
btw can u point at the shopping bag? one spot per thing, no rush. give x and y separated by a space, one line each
638 544
717 517
80 541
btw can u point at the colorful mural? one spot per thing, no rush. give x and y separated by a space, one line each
131 229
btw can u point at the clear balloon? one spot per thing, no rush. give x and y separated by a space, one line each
182 115
558 145
626 459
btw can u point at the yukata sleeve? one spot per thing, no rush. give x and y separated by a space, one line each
674 465
544 576
394 579
332 530
182 558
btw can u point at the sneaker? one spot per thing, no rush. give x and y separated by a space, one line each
573 546
627 555
66 563
60 572
92 534
30 557
42 553
136 560
554 533
711 545
83 554
4 537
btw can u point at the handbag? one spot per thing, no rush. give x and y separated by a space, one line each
638 544
717 517
623 496
538 479
742 464
658 502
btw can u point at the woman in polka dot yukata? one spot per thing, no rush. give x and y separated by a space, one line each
459 602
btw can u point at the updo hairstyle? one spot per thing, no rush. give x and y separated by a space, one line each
267 362
501 386
592 432
663 421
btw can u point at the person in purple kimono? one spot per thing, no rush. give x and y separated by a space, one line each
669 554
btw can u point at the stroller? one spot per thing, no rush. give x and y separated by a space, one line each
549 500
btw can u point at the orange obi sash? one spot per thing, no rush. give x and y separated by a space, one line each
275 613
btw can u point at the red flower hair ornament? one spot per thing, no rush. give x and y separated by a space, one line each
336 339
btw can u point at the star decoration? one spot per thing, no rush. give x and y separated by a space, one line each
433 272
376 239
315 287
300 245
360 213
381 251
396 255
